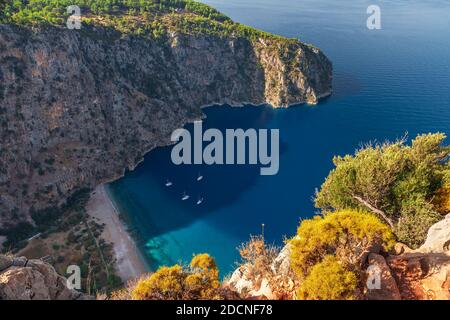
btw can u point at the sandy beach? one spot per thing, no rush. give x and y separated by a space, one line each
130 263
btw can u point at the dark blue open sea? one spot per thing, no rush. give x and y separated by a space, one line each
387 83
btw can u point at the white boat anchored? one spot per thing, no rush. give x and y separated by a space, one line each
169 183
199 201
185 196
200 177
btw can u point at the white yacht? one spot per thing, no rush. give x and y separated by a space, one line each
185 196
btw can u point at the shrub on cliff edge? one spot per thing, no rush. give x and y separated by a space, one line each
199 281
395 181
328 280
346 234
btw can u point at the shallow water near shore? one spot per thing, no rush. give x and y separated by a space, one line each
387 83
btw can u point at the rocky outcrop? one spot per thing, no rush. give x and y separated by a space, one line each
404 274
419 274
438 238
276 284
78 108
425 273
380 284
22 279
423 276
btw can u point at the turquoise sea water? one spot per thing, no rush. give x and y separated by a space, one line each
387 83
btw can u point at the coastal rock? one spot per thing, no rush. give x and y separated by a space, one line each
416 274
5 262
422 275
78 108
33 280
239 281
438 238
278 284
400 248
281 264
248 286
425 273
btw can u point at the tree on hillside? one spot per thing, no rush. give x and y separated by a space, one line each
394 181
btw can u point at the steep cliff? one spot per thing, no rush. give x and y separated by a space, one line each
78 107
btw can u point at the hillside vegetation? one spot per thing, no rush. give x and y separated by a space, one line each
140 17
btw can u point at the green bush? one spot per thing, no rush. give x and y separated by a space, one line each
395 181
345 234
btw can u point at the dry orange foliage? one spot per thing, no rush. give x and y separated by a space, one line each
441 200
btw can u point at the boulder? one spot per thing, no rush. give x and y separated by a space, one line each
22 279
422 276
425 273
5 262
240 281
281 264
276 284
438 238
380 284
400 248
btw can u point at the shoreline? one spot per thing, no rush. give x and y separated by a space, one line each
129 262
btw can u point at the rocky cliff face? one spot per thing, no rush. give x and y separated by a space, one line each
22 279
77 108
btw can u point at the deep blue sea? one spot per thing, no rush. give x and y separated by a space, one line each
387 83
